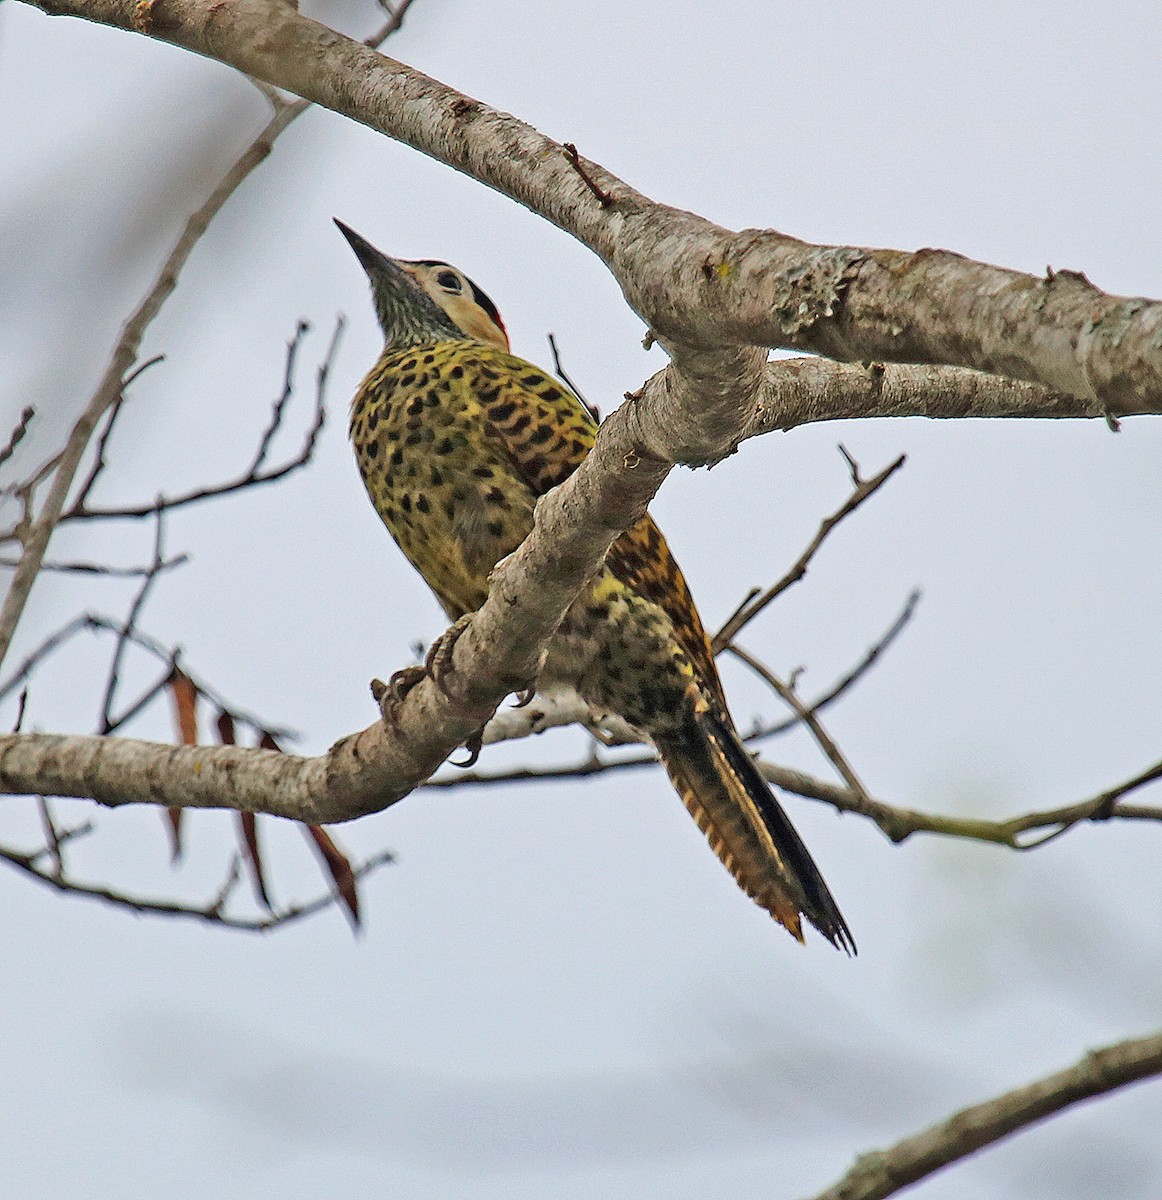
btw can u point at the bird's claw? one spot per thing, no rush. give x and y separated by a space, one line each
438 661
524 697
473 745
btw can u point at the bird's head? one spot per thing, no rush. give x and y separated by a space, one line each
425 300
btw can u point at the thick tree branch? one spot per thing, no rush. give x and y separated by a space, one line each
882 1173
695 283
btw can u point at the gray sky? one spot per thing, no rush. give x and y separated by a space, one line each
559 991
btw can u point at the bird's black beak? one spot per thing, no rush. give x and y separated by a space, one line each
373 261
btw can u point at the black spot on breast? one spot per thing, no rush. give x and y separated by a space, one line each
496 498
422 504
531 380
496 528
502 412
406 503
579 447
437 477
396 457
429 359
414 438
407 380
444 446
457 372
540 435
416 406
372 449
521 423
536 464
551 393
482 472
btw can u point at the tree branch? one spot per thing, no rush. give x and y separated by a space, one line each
882 1173
212 912
695 283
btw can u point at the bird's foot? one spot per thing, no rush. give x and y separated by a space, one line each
390 695
438 666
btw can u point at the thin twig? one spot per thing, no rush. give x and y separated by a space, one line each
17 435
126 631
825 741
99 456
52 838
97 623
750 608
110 572
253 476
559 368
146 698
209 912
604 198
595 765
841 685
121 364
288 385
882 1173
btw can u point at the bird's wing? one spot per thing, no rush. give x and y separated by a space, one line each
546 432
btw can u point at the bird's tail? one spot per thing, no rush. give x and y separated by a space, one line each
747 828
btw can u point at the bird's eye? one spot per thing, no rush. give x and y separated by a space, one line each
449 281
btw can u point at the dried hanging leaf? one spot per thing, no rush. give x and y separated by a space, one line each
247 823
248 826
339 867
337 863
225 725
185 703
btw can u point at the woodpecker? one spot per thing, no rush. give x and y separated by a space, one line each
456 438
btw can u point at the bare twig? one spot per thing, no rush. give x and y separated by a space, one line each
120 370
896 822
842 684
276 413
146 698
211 912
52 837
559 368
126 630
882 1173
756 602
899 823
100 460
787 694
545 714
604 198
17 435
96 622
253 476
104 569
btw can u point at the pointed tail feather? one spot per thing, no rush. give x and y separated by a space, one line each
747 828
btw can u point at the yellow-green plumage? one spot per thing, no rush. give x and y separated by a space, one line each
455 439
